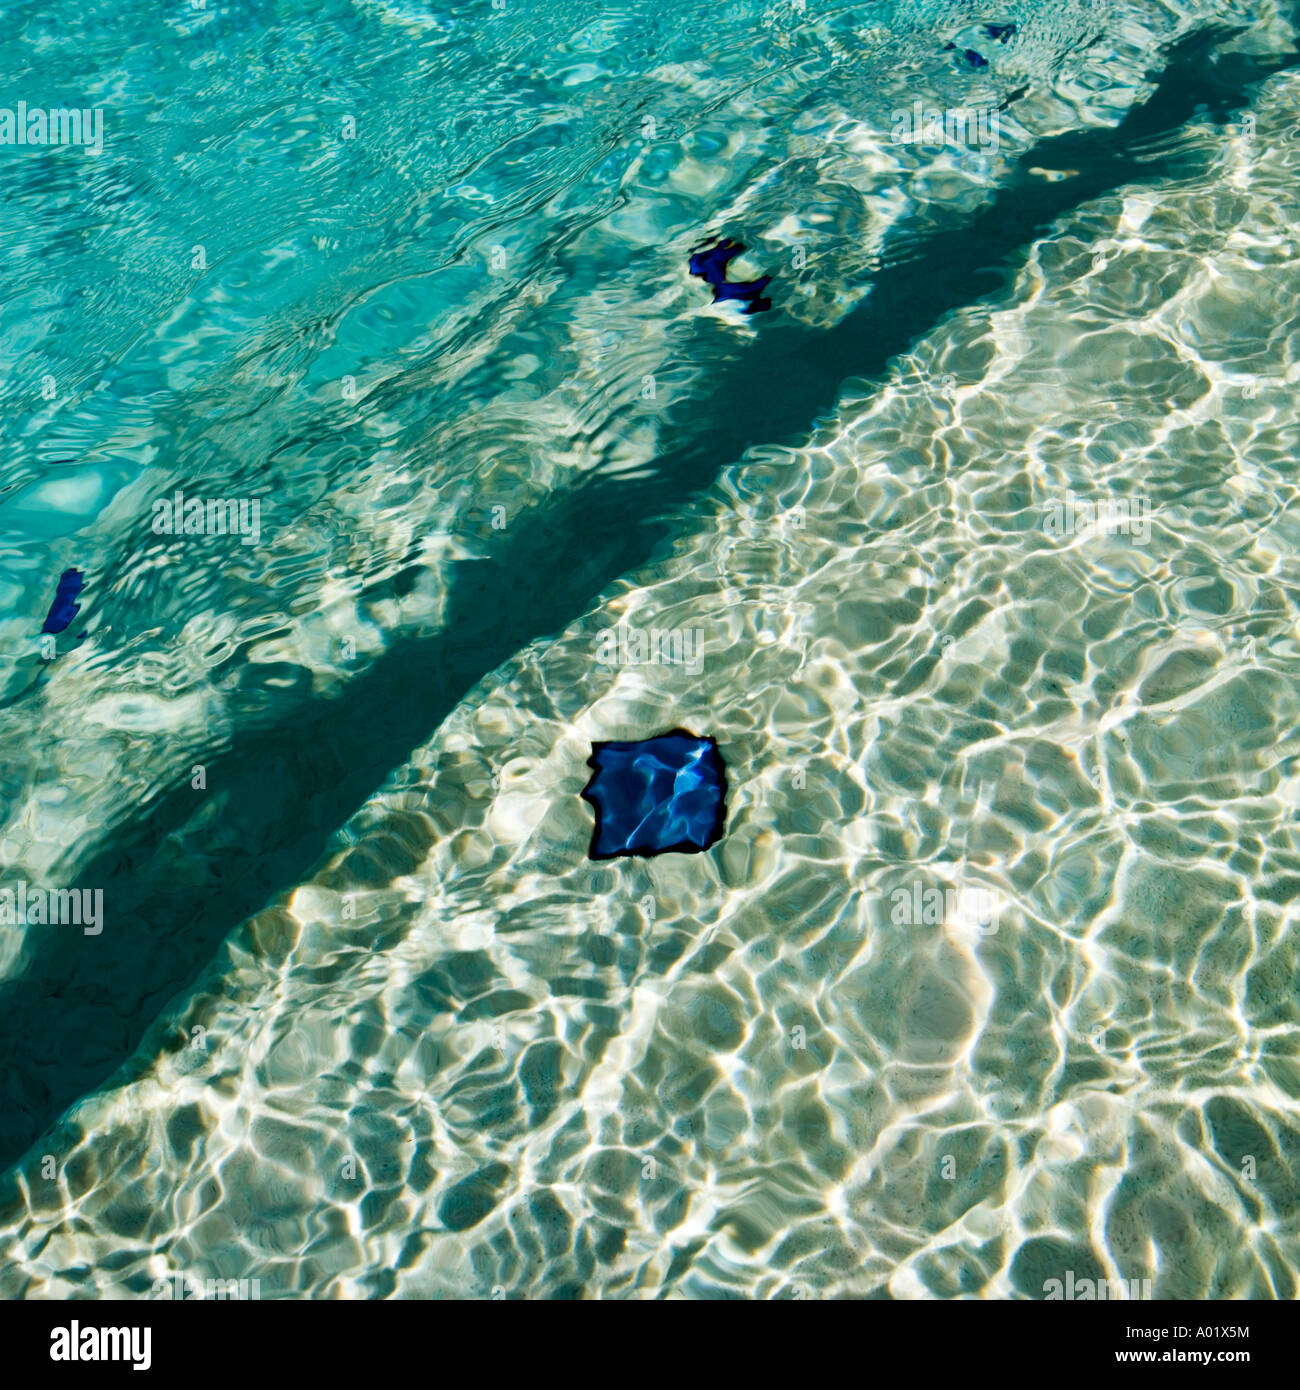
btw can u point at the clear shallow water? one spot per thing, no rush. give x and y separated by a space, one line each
440 1052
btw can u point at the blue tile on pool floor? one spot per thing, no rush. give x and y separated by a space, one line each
658 795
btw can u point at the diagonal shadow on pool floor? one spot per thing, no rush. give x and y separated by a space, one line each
176 878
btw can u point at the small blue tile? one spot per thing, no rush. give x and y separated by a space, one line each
657 795
65 608
711 266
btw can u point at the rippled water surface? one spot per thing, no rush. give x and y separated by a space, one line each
980 555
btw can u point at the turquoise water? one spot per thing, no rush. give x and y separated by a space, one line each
976 550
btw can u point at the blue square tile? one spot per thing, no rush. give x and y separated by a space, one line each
657 795
65 607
